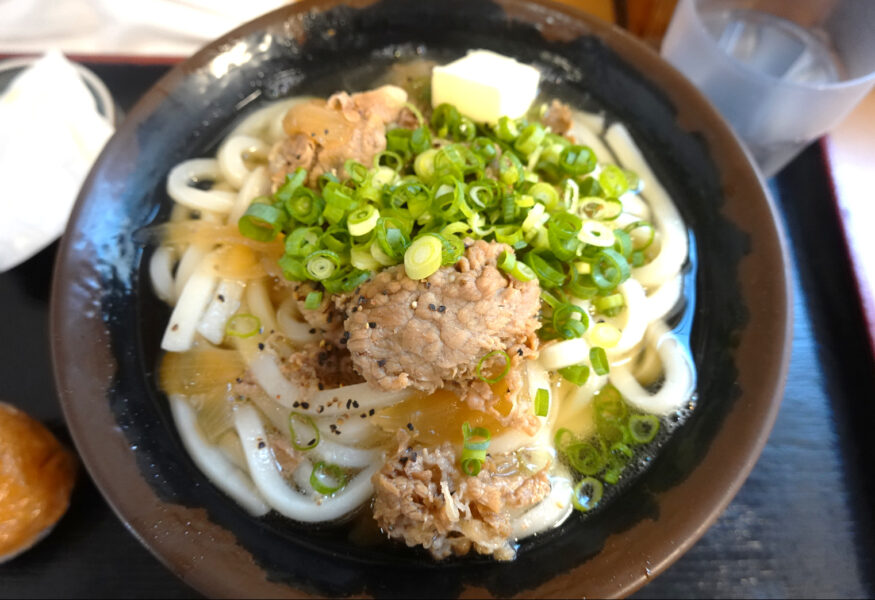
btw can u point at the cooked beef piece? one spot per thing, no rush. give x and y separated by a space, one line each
558 117
320 363
323 135
422 497
327 320
404 332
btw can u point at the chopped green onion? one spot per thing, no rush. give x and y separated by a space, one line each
613 181
313 300
327 479
302 241
363 220
542 402
585 457
293 182
596 233
487 357
423 258
506 130
312 438
599 360
322 264
576 374
475 444
577 160
522 272
587 494
305 205
610 269
530 138
641 233
600 209
570 320
242 325
643 428
506 261
559 438
261 222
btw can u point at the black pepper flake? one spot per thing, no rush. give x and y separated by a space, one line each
410 426
305 405
336 432
261 444
260 346
321 409
469 230
519 351
174 327
371 412
442 308
239 380
320 385
343 341
363 416
332 427
221 297
413 457
385 292
311 442
346 335
355 403
432 307
296 404
427 284
348 403
362 300
381 362
403 460
372 325
312 330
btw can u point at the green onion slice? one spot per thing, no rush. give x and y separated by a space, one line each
363 220
261 222
576 374
304 422
585 457
599 360
313 301
327 478
242 325
322 264
542 402
587 494
476 442
485 359
643 428
424 257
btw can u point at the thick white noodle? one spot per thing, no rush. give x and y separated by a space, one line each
345 456
595 122
635 207
582 396
679 375
564 354
278 493
191 258
232 157
161 273
180 332
354 431
636 315
672 231
258 301
180 190
257 183
225 302
549 512
292 325
259 122
269 377
213 462
663 299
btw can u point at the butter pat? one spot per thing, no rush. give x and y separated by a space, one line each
485 85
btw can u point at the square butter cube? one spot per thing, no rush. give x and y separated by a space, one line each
485 86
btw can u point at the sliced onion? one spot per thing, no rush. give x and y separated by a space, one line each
179 335
225 302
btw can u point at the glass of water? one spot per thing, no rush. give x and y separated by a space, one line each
782 72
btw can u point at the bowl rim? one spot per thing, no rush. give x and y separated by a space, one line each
139 512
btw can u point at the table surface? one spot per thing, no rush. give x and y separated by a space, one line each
801 526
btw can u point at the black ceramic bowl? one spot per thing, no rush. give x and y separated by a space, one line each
106 323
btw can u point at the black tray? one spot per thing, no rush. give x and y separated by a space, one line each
800 527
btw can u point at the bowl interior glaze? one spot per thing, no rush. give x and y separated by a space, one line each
107 324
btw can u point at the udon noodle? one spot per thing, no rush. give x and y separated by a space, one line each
242 340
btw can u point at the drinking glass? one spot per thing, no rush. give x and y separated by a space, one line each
781 72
